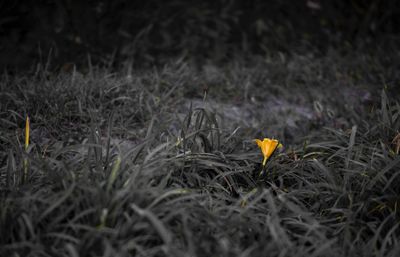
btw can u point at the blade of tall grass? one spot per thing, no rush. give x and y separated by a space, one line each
108 146
65 195
11 169
351 145
162 231
381 175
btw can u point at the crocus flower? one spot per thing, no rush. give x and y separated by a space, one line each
268 146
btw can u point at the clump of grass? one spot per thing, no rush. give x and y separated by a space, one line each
115 169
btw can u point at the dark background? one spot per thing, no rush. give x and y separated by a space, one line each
149 32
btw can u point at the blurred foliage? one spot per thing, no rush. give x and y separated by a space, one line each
150 30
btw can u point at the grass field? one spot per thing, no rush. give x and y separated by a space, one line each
162 162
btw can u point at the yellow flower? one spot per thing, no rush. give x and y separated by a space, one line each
27 132
268 146
27 129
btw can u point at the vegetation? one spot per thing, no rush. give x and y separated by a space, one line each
163 162
148 33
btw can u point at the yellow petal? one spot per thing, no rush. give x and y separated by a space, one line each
272 147
258 142
265 147
27 130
